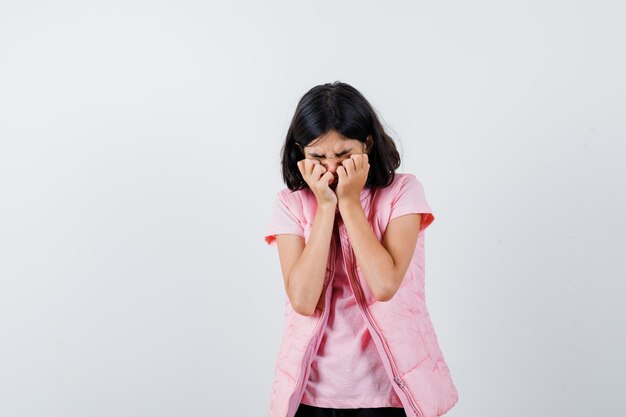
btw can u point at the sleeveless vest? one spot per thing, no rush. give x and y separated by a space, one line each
400 327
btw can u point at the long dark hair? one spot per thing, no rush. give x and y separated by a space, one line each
338 106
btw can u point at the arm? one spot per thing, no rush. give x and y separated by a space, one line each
304 265
383 265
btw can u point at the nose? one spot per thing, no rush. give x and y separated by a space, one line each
332 165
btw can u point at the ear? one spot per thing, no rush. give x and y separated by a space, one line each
368 144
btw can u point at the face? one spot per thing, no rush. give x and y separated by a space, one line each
332 149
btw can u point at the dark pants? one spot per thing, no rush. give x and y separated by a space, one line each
305 410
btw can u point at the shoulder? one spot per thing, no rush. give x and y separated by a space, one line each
295 200
405 178
287 194
401 177
400 182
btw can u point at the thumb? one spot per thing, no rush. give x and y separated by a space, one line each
327 177
341 174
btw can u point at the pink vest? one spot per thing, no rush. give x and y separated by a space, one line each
400 327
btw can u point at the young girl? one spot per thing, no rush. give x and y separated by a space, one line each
358 339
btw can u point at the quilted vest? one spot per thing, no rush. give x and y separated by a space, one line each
400 327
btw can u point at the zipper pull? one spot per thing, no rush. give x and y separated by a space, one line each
398 381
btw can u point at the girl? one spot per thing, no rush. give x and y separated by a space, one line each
358 340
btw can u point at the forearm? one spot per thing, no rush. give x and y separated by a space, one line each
306 279
376 263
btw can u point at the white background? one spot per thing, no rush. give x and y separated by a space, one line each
139 158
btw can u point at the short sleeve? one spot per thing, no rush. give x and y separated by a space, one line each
282 221
410 198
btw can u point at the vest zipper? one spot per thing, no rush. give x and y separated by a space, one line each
396 375
294 401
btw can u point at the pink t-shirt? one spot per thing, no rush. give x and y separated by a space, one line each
347 371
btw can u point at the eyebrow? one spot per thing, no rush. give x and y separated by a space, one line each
315 155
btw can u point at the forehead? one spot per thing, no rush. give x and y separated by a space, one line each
331 142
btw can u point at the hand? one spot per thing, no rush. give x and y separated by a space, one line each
318 178
352 174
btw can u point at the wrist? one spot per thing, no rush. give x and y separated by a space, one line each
329 207
347 203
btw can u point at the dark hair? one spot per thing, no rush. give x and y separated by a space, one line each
340 107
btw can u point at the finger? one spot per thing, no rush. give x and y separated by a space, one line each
316 162
341 174
328 177
361 160
356 160
309 165
348 164
300 164
318 170
325 179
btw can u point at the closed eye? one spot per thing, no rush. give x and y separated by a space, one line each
316 156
